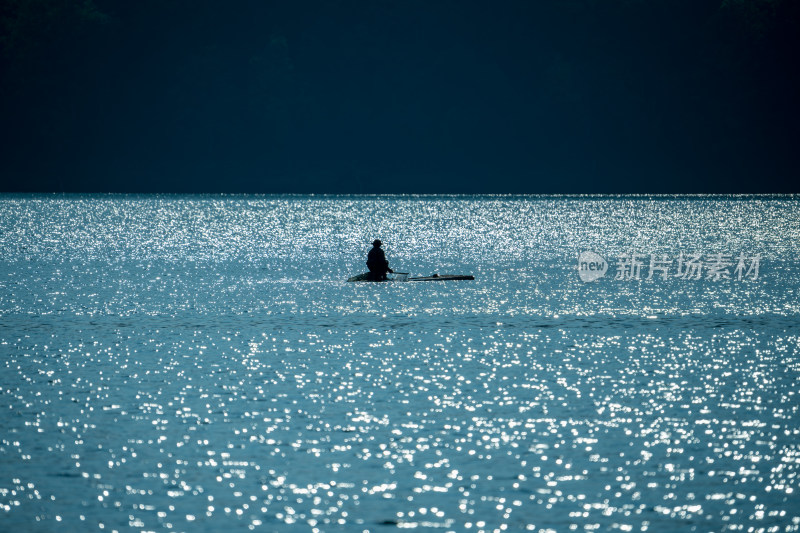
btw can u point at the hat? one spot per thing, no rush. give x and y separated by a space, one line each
376 242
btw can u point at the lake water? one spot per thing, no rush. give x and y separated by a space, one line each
191 363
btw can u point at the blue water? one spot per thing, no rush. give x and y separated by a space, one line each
186 363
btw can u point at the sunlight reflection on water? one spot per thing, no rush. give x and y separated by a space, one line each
198 363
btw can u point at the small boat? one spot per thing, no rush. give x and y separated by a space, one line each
404 277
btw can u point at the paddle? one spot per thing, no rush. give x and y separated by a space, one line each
400 276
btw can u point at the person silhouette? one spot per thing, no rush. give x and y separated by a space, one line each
377 263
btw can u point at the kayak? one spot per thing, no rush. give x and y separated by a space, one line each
443 277
435 277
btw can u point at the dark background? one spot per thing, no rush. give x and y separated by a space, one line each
538 96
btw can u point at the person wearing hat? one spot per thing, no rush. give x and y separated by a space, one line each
377 263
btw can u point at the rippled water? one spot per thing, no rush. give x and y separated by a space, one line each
199 364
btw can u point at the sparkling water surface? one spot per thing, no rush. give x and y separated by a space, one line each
191 363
